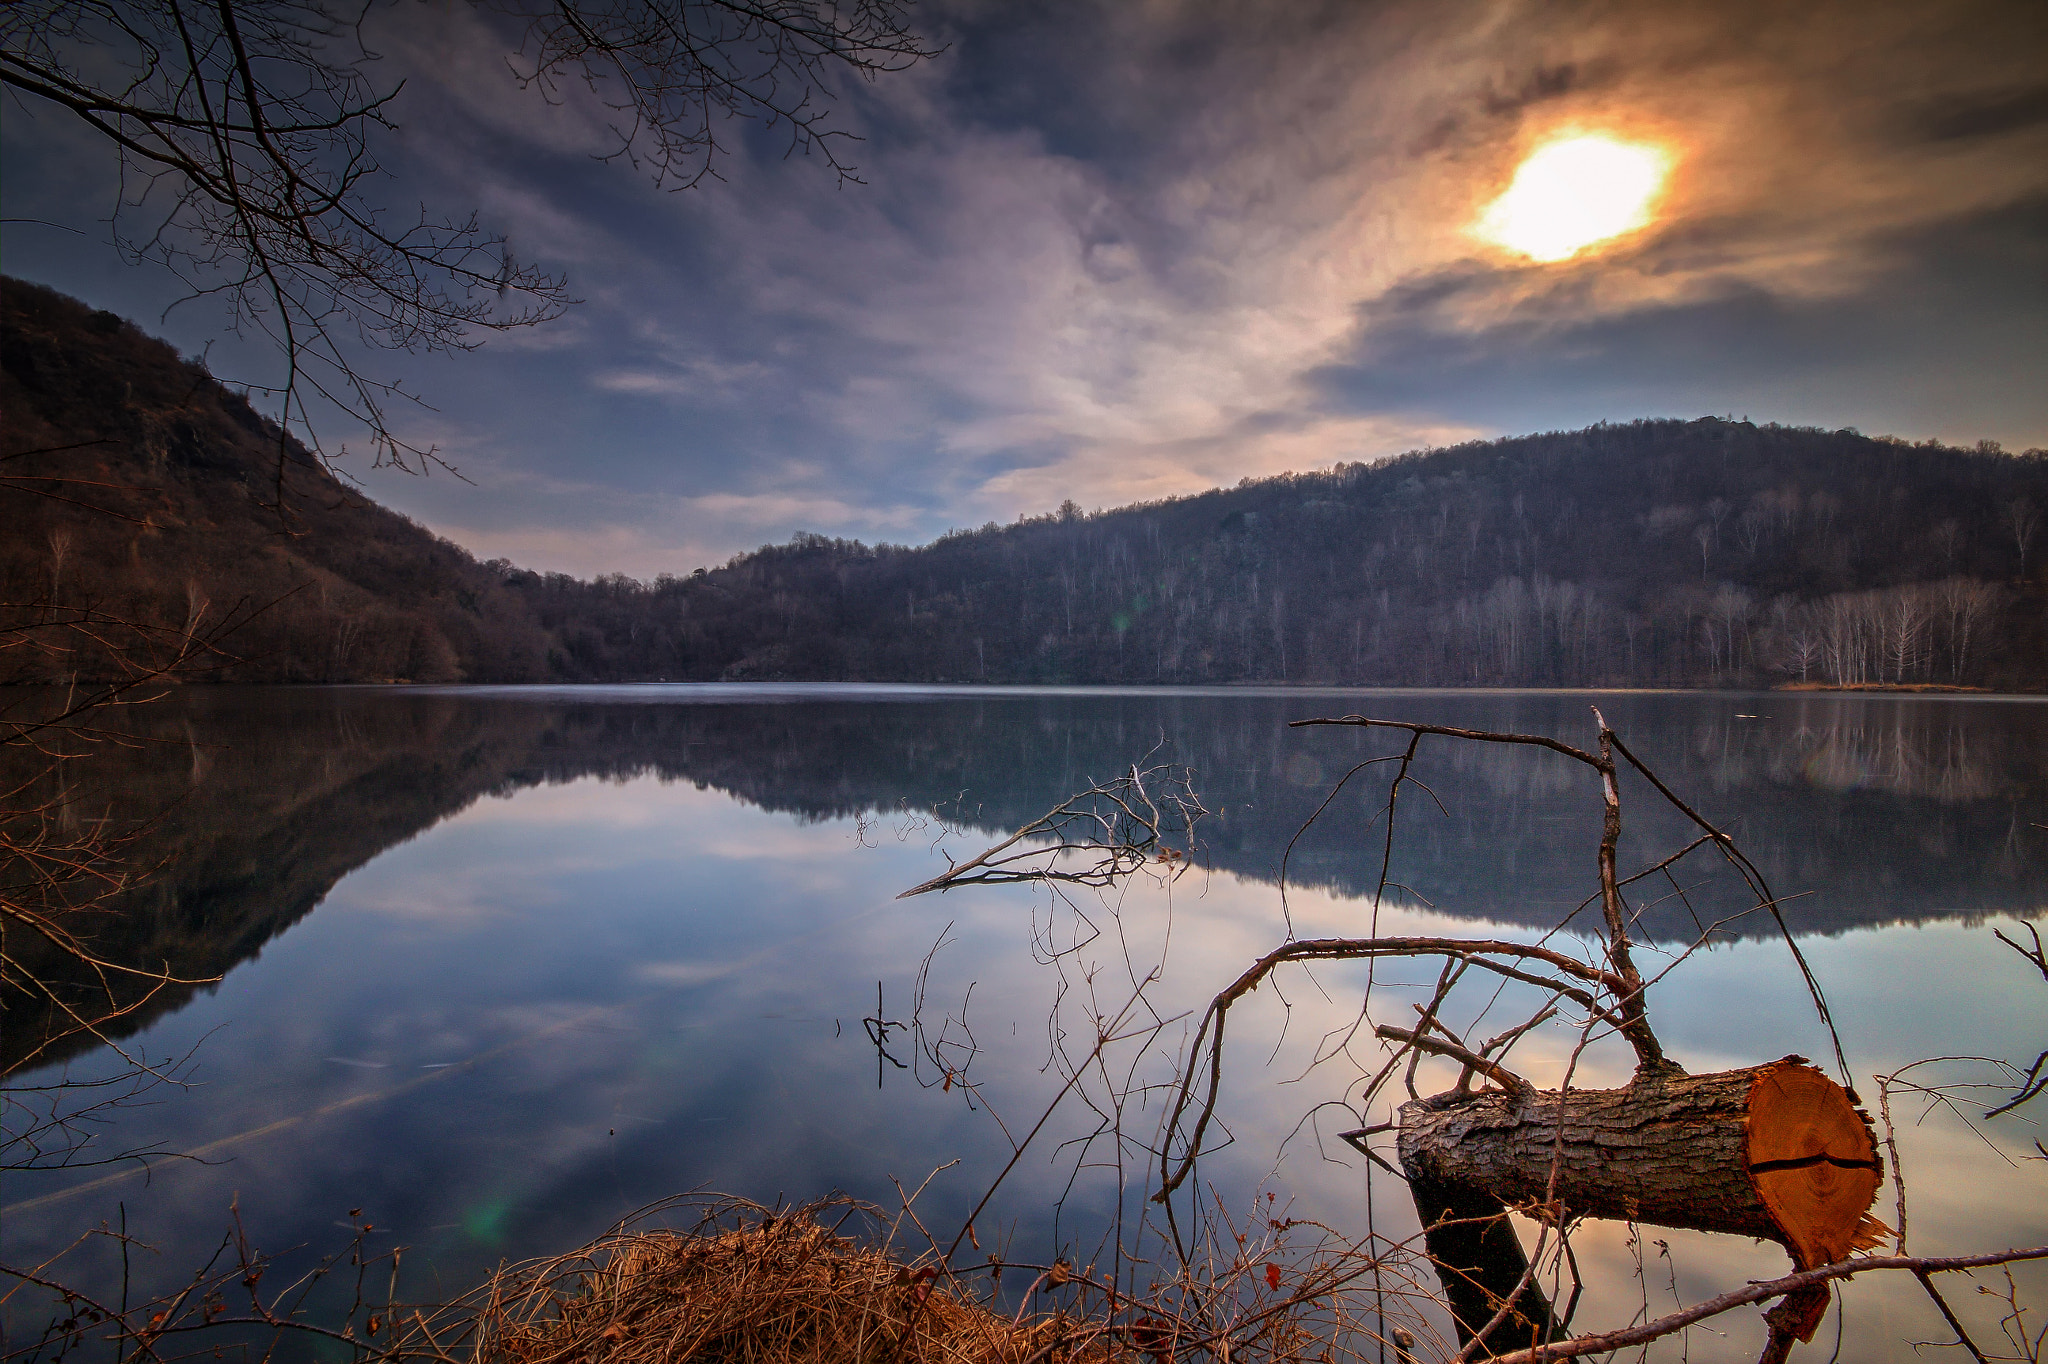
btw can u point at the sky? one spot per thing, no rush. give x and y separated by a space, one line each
1129 250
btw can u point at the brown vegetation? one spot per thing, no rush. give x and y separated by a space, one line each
750 1287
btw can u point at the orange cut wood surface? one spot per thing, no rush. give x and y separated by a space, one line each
1813 1159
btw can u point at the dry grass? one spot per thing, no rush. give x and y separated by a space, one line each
750 1287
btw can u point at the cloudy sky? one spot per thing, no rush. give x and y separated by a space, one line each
1134 249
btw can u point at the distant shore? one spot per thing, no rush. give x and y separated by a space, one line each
1879 686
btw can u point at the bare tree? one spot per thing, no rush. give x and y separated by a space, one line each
1751 525
1796 635
60 549
1907 613
247 132
1947 536
1965 602
1731 606
2023 519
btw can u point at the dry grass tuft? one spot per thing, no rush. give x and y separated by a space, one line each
748 1286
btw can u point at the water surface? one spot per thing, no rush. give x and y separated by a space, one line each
500 965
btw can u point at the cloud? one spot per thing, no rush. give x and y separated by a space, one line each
1798 169
686 974
1121 257
1008 319
472 62
691 381
669 534
1112 474
775 509
1021 325
1123 252
586 551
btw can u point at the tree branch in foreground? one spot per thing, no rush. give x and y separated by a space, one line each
1761 1292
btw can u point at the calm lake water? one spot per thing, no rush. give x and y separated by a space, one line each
501 965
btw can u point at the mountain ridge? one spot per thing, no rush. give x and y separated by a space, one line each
1658 552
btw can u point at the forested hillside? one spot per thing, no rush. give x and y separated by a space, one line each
1657 553
1702 553
141 505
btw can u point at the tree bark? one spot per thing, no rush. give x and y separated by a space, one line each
1778 1152
1480 1262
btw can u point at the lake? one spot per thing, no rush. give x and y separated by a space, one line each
500 965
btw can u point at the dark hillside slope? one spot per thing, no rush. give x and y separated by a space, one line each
162 513
1702 553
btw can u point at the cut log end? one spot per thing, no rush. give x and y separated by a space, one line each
1813 1159
1777 1151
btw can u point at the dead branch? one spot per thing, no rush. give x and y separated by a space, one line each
1500 1075
1762 1292
1480 952
1146 816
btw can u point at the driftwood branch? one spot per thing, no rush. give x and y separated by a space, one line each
1146 815
1639 1153
1634 1022
1479 951
1499 1074
1761 1292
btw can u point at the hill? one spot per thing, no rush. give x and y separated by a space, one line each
1683 553
140 499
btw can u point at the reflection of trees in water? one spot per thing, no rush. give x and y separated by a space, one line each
1926 751
1843 758
256 803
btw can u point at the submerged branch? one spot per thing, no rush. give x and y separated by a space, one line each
1145 816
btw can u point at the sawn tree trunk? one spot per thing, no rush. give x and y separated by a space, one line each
1777 1151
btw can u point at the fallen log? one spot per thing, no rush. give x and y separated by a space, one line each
1779 1152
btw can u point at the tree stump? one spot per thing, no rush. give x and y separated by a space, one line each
1778 1151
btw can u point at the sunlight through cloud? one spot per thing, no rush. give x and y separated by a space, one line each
1576 192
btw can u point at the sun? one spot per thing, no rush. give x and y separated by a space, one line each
1576 192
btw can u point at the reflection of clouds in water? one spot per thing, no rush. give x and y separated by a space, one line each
452 903
687 974
525 1154
597 822
630 802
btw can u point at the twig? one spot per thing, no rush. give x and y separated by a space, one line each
1962 1336
1762 1291
1500 1075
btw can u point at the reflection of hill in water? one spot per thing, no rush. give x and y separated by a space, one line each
1882 809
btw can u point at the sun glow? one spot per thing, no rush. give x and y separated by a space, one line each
1574 193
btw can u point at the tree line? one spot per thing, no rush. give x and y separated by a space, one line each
1652 553
1705 553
